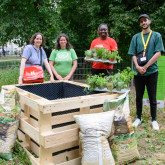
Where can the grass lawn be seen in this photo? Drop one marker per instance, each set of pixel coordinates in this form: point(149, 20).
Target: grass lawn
point(151, 144)
point(10, 57)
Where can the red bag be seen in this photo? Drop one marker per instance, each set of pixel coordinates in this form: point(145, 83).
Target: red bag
point(33, 74)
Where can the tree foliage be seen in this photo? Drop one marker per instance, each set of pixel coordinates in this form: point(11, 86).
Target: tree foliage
point(79, 19)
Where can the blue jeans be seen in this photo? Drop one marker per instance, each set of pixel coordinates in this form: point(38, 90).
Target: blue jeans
point(151, 83)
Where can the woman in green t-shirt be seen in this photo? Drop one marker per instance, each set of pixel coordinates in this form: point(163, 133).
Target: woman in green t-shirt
point(63, 59)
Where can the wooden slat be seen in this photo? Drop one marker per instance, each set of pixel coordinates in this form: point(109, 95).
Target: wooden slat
point(51, 139)
point(29, 129)
point(96, 110)
point(8, 87)
point(63, 157)
point(63, 118)
point(72, 162)
point(64, 128)
point(73, 103)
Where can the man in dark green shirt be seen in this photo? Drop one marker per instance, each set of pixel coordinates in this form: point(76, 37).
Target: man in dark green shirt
point(147, 75)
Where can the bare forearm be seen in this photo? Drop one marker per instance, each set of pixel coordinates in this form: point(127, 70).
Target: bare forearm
point(51, 63)
point(153, 59)
point(73, 68)
point(22, 67)
point(48, 67)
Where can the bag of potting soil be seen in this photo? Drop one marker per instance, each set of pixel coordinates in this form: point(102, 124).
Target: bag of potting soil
point(94, 131)
point(122, 121)
point(124, 148)
point(9, 121)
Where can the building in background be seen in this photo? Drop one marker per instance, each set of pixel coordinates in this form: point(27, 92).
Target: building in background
point(11, 49)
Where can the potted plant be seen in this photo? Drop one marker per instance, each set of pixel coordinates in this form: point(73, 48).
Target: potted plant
point(110, 83)
point(111, 56)
point(101, 82)
point(114, 55)
point(122, 79)
point(91, 81)
point(105, 55)
point(88, 54)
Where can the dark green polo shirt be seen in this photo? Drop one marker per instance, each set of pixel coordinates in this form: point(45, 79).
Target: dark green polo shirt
point(155, 45)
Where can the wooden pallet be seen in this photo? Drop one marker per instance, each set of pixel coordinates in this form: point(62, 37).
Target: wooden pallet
point(47, 128)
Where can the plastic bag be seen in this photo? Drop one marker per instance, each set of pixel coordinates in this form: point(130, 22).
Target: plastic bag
point(9, 121)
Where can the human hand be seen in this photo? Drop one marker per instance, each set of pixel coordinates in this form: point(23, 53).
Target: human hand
point(67, 77)
point(141, 70)
point(59, 77)
point(52, 79)
point(145, 67)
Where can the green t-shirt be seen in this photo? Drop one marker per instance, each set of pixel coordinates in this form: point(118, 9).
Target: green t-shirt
point(63, 60)
point(155, 45)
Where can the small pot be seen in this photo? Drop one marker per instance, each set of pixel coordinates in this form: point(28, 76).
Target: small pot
point(111, 59)
point(88, 57)
point(110, 86)
point(103, 59)
point(95, 57)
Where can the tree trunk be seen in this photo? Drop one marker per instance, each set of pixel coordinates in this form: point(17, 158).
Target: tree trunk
point(3, 51)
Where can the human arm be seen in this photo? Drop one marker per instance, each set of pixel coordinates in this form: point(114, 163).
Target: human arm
point(152, 60)
point(72, 70)
point(51, 63)
point(22, 67)
point(49, 70)
point(140, 69)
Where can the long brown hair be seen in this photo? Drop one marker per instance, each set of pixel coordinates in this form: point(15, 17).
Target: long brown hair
point(68, 45)
point(34, 37)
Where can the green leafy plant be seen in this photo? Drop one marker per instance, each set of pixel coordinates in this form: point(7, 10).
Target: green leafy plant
point(105, 55)
point(100, 52)
point(88, 53)
point(114, 55)
point(123, 78)
point(101, 82)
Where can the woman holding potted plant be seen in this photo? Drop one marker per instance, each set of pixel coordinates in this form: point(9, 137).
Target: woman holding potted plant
point(104, 41)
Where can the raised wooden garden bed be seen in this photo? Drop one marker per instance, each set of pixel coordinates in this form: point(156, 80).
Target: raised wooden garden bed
point(47, 127)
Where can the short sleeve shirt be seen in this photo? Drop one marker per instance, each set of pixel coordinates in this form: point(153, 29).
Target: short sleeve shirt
point(63, 60)
point(110, 44)
point(33, 56)
point(155, 45)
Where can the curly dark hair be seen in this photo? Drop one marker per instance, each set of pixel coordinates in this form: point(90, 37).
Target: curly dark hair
point(34, 37)
point(100, 27)
point(68, 45)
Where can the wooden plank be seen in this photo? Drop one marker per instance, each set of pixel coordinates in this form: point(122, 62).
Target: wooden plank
point(45, 156)
point(68, 155)
point(63, 118)
point(51, 139)
point(8, 87)
point(65, 146)
point(67, 127)
point(96, 110)
point(76, 161)
point(77, 83)
point(84, 110)
point(29, 129)
point(73, 103)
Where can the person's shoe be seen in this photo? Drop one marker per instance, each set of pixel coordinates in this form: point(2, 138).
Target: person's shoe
point(155, 125)
point(136, 122)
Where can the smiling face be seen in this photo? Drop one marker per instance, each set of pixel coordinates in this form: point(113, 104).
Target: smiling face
point(103, 32)
point(38, 41)
point(145, 23)
point(63, 42)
